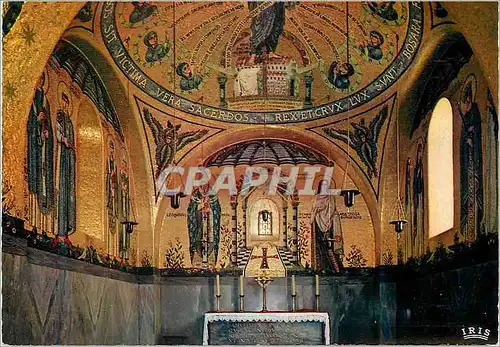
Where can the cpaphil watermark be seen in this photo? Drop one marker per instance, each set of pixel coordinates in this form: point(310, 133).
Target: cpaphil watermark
point(198, 176)
point(475, 333)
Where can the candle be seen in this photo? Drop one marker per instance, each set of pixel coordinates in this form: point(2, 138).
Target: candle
point(241, 286)
point(217, 282)
point(293, 285)
point(317, 285)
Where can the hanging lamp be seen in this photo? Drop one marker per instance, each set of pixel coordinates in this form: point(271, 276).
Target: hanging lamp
point(175, 198)
point(399, 221)
point(348, 194)
point(129, 224)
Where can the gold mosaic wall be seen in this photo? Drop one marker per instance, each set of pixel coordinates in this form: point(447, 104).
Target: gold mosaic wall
point(41, 25)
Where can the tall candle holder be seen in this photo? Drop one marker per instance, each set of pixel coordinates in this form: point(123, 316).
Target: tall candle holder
point(294, 294)
point(218, 302)
point(242, 293)
point(242, 301)
point(217, 292)
point(317, 292)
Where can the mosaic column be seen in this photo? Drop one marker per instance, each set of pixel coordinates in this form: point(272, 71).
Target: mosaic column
point(285, 229)
point(222, 79)
point(308, 82)
point(244, 236)
point(295, 229)
point(234, 239)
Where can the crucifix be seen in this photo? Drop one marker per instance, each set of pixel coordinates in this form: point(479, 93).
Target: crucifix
point(264, 280)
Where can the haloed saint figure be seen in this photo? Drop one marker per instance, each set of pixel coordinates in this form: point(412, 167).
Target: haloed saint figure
point(471, 167)
point(266, 27)
point(40, 152)
point(418, 203)
point(124, 197)
point(325, 220)
point(203, 217)
point(112, 187)
point(67, 169)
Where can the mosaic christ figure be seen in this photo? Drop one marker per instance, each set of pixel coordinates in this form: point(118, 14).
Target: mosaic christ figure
point(266, 28)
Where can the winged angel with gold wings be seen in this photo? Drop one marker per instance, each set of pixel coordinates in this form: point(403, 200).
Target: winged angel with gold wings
point(169, 140)
point(363, 139)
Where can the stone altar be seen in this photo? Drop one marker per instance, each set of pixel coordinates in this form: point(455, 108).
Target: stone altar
point(266, 328)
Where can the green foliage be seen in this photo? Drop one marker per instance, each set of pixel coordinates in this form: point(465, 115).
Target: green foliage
point(174, 256)
point(146, 260)
point(387, 258)
point(225, 246)
point(355, 257)
point(303, 240)
point(440, 253)
point(7, 204)
point(400, 256)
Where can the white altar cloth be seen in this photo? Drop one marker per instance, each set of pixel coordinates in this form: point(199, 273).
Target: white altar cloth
point(321, 317)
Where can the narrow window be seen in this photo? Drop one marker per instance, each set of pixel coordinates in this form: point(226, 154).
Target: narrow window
point(440, 168)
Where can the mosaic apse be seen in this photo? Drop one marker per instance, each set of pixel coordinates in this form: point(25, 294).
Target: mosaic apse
point(263, 62)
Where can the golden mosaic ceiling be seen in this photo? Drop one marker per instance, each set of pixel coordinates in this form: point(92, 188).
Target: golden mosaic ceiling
point(262, 62)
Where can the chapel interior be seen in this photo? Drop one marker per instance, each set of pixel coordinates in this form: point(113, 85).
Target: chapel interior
point(109, 107)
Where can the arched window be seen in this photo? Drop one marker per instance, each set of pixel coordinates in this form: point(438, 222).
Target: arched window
point(265, 223)
point(440, 168)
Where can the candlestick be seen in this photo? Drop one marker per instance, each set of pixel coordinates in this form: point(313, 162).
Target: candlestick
point(241, 286)
point(217, 285)
point(293, 285)
point(317, 285)
point(242, 303)
point(218, 302)
point(264, 299)
point(317, 302)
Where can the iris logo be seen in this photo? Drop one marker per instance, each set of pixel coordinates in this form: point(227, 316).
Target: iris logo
point(475, 333)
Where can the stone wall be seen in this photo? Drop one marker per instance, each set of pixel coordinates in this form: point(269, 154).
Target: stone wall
point(49, 299)
point(434, 308)
point(358, 307)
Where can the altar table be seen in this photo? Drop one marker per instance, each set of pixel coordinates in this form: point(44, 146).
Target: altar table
point(266, 328)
